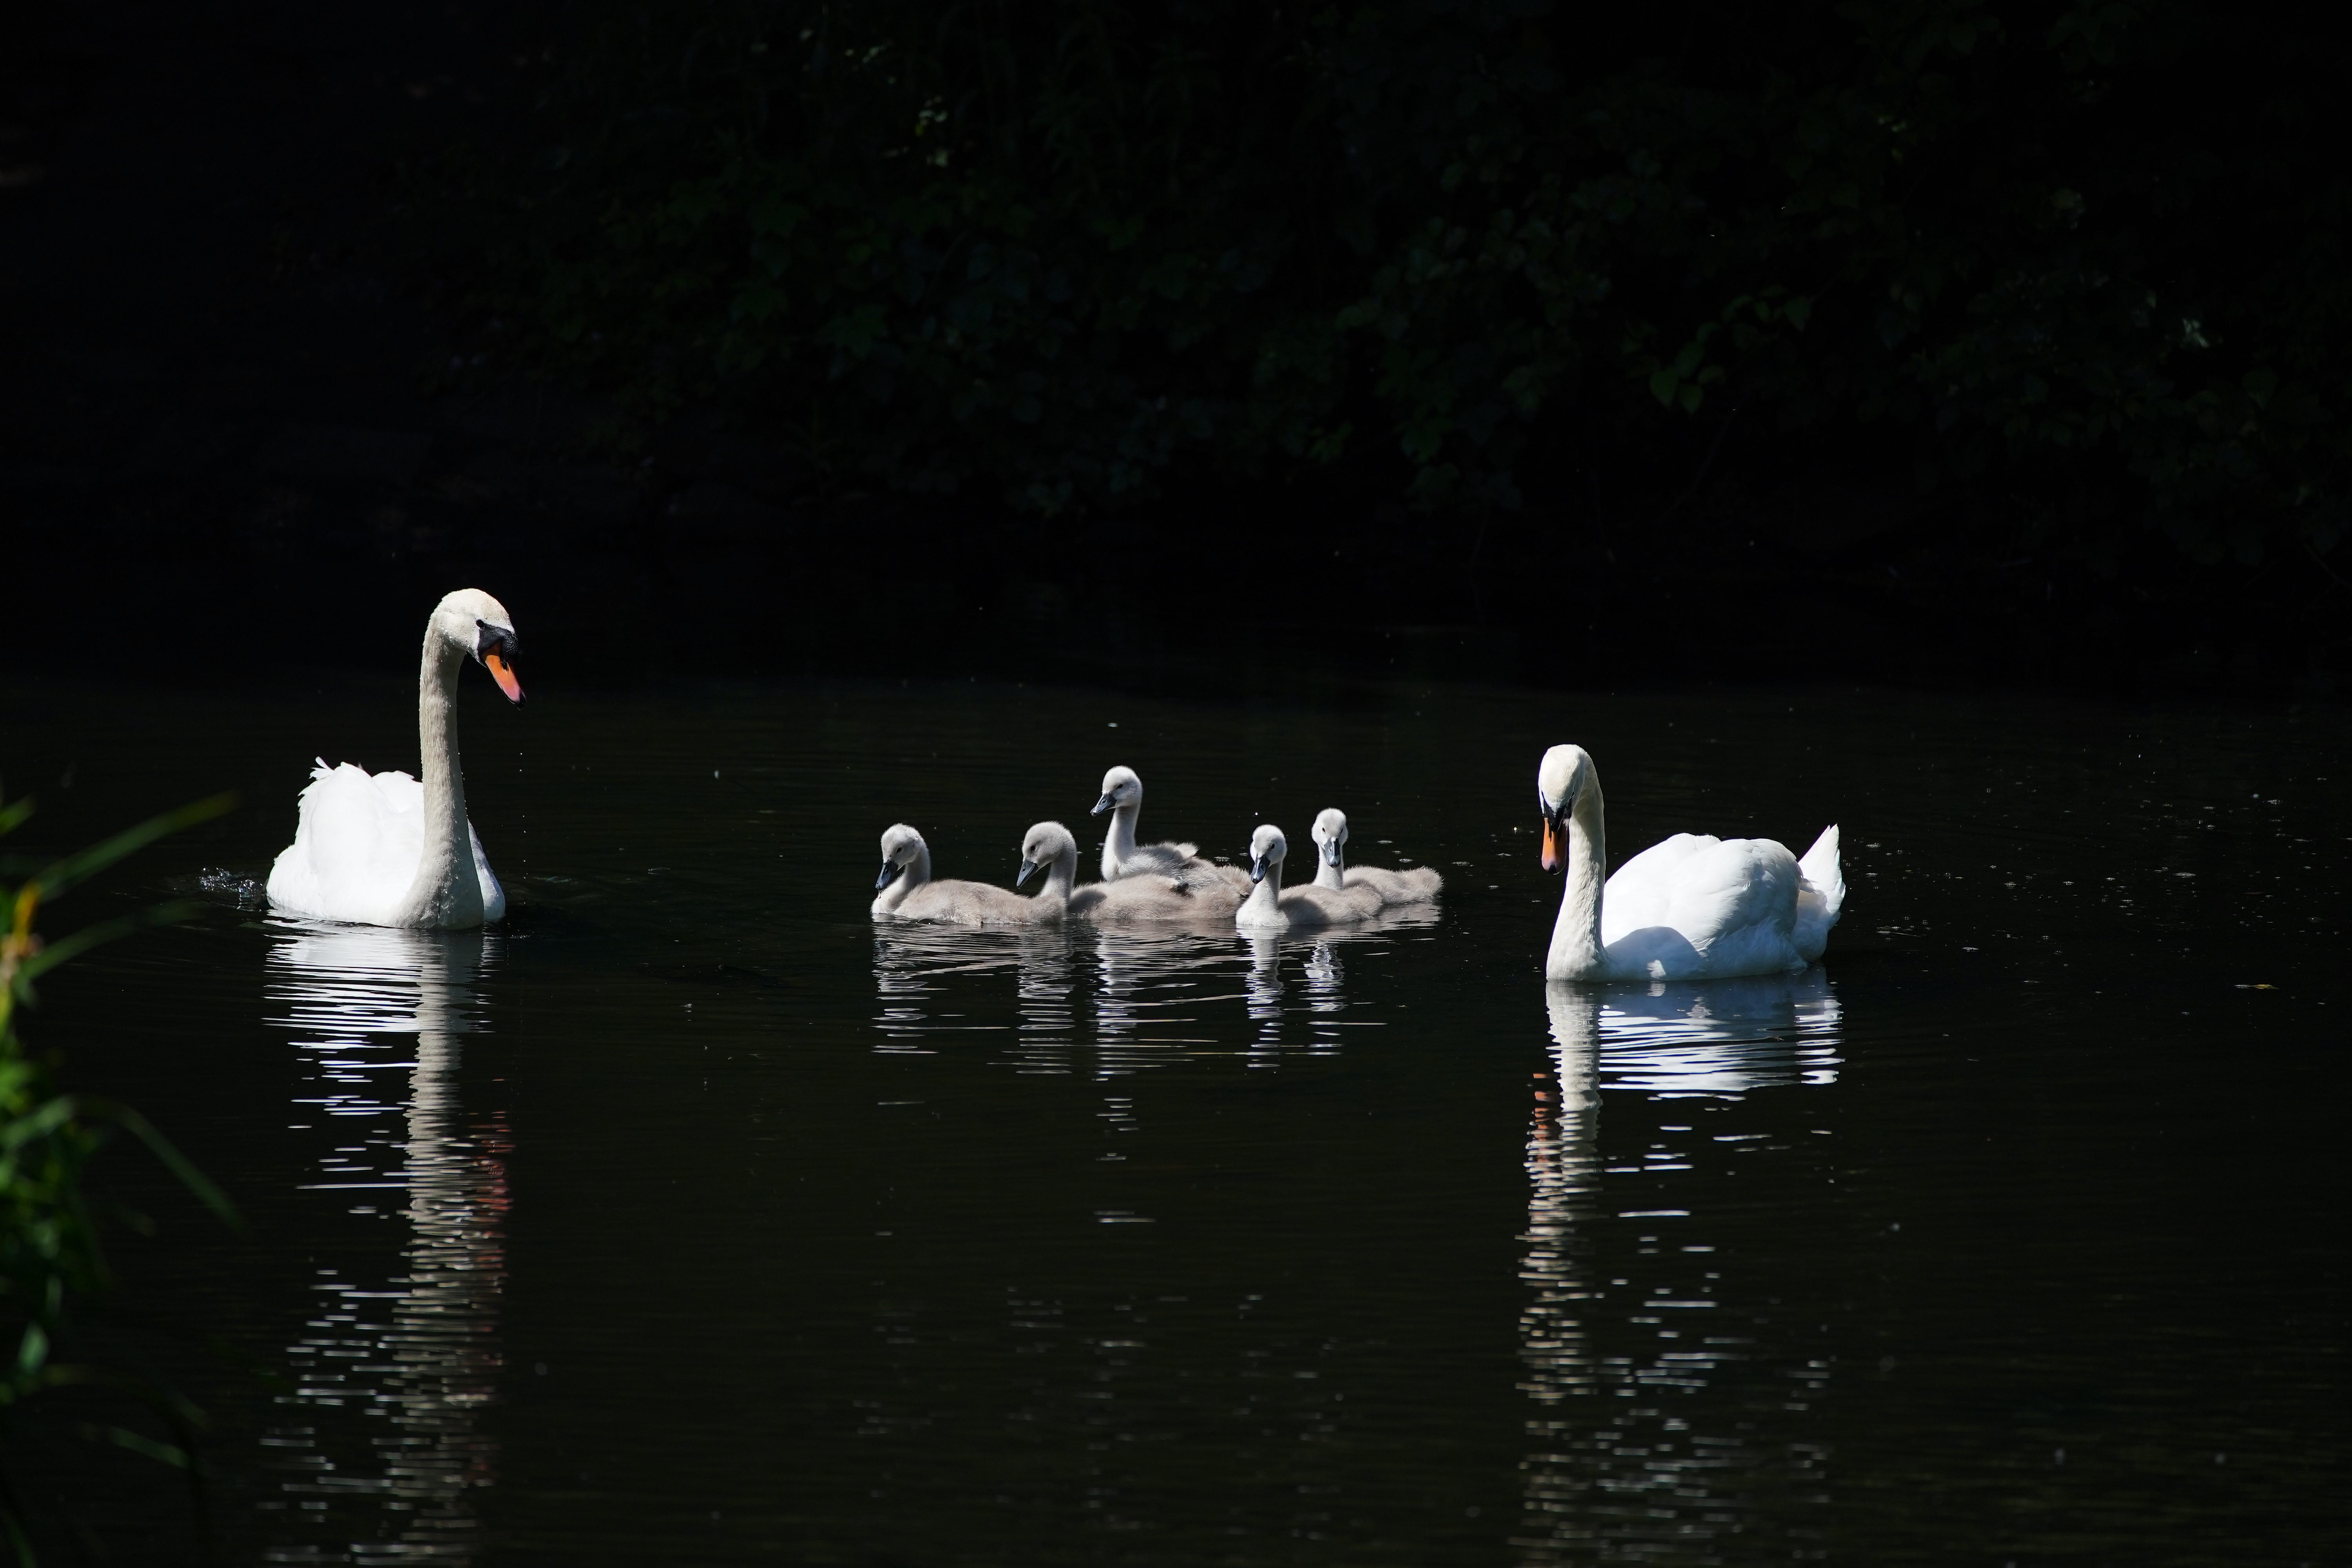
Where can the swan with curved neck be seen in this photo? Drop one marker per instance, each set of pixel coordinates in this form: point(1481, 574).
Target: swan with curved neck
point(906, 891)
point(1413, 885)
point(1269, 908)
point(1690, 907)
point(388, 849)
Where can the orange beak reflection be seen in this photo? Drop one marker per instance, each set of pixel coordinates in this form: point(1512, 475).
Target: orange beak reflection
point(1551, 847)
point(503, 673)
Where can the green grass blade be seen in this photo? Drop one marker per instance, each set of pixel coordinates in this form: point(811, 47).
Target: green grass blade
point(68, 947)
point(82, 864)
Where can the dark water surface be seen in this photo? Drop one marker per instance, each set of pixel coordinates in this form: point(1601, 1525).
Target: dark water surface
point(687, 1219)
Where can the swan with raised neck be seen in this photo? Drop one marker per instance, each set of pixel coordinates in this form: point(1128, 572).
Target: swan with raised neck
point(468, 623)
point(392, 850)
point(1691, 906)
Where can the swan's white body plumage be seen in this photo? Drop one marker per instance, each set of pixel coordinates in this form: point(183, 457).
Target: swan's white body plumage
point(391, 849)
point(358, 841)
point(1412, 885)
point(1694, 906)
point(1690, 907)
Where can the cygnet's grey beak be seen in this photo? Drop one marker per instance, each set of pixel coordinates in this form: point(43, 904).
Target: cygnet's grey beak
point(889, 871)
point(1331, 852)
point(1257, 869)
point(1105, 804)
point(1022, 876)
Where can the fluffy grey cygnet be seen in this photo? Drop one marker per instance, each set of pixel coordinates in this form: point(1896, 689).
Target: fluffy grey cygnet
point(1122, 796)
point(907, 892)
point(1415, 884)
point(1269, 908)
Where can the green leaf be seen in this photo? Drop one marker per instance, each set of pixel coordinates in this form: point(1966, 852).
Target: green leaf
point(84, 863)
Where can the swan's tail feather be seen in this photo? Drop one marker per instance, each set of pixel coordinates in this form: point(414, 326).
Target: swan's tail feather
point(1821, 868)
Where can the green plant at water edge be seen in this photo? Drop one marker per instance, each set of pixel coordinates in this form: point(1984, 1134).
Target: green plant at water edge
point(50, 1255)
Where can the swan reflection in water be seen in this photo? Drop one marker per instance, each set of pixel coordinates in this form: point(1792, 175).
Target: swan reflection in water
point(380, 1433)
point(1617, 1465)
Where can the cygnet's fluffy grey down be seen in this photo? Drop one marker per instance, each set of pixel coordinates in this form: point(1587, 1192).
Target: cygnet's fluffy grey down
point(1413, 885)
point(1122, 796)
point(907, 891)
point(1269, 908)
point(1157, 898)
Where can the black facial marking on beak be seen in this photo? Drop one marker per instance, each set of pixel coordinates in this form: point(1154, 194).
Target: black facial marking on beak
point(1257, 869)
point(1022, 876)
point(493, 640)
point(889, 871)
point(1105, 804)
point(1331, 852)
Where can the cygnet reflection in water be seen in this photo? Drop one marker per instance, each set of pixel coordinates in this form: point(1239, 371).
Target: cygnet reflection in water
point(1323, 996)
point(918, 968)
point(391, 1377)
point(1155, 990)
point(1719, 1037)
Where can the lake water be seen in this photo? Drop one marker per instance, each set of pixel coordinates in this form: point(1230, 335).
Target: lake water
point(687, 1218)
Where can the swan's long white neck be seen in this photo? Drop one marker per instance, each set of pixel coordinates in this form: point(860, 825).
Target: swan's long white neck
point(1328, 874)
point(1118, 844)
point(447, 893)
point(1575, 951)
point(1265, 900)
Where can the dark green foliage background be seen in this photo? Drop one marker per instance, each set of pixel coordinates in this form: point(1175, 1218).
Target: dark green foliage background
point(2080, 264)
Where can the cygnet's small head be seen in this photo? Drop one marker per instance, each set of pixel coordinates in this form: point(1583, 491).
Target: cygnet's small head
point(479, 627)
point(1330, 833)
point(900, 846)
point(1120, 788)
point(1268, 849)
point(1048, 842)
point(1566, 775)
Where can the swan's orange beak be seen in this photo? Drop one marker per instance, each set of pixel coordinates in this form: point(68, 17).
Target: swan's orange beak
point(1552, 853)
point(503, 673)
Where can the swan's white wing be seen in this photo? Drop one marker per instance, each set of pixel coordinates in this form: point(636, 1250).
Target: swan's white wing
point(1730, 907)
point(1742, 887)
point(1641, 893)
point(356, 846)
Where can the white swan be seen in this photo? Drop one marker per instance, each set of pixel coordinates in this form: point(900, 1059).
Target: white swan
point(1269, 908)
point(1415, 884)
point(1690, 907)
point(907, 892)
point(387, 850)
point(1122, 796)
